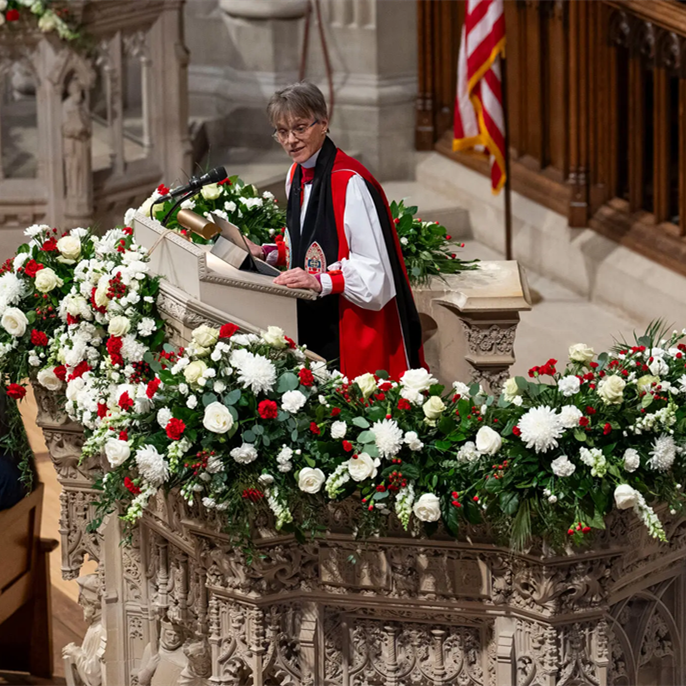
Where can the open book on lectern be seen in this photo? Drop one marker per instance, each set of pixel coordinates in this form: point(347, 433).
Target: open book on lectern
point(232, 247)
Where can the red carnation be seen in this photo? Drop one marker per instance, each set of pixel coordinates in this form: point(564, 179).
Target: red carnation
point(102, 410)
point(314, 428)
point(38, 337)
point(590, 410)
point(49, 245)
point(268, 409)
point(347, 446)
point(14, 390)
point(404, 404)
point(516, 431)
point(114, 346)
point(291, 342)
point(306, 377)
point(123, 435)
point(12, 15)
point(162, 189)
point(607, 428)
point(60, 372)
point(80, 369)
point(128, 231)
point(175, 427)
point(227, 330)
point(335, 411)
point(125, 401)
point(31, 268)
point(385, 386)
point(584, 421)
point(130, 486)
point(71, 320)
point(152, 387)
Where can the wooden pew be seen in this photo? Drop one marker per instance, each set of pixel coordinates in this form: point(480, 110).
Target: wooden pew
point(25, 615)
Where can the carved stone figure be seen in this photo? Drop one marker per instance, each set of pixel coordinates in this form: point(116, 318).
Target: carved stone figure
point(84, 663)
point(164, 660)
point(76, 141)
point(199, 666)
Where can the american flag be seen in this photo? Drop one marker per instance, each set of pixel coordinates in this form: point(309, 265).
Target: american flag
point(479, 115)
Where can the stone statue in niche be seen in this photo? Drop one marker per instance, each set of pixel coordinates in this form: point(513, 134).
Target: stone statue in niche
point(199, 667)
point(166, 659)
point(76, 142)
point(84, 663)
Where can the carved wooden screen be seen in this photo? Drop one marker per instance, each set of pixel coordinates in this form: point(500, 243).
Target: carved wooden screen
point(596, 111)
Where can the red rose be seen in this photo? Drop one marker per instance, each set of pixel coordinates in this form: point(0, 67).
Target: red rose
point(335, 411)
point(49, 245)
point(38, 337)
point(347, 446)
point(404, 404)
point(268, 409)
point(31, 268)
point(152, 387)
point(314, 428)
point(125, 401)
point(130, 486)
point(102, 410)
point(227, 330)
point(14, 390)
point(12, 15)
point(306, 377)
point(60, 372)
point(590, 410)
point(584, 421)
point(175, 427)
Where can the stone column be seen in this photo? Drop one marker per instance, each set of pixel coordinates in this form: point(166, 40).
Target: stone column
point(238, 64)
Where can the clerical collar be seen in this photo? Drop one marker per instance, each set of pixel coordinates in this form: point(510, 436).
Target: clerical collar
point(312, 161)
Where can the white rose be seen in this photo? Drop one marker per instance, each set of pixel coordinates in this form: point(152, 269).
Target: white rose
point(211, 192)
point(427, 508)
point(611, 389)
point(76, 305)
point(311, 480)
point(511, 390)
point(205, 336)
point(363, 467)
point(3, 5)
point(625, 496)
point(14, 321)
point(292, 401)
point(569, 386)
point(46, 280)
point(217, 418)
point(433, 407)
point(338, 430)
point(117, 451)
point(580, 352)
point(100, 295)
point(69, 247)
point(488, 441)
point(194, 371)
point(417, 380)
point(48, 379)
point(645, 382)
point(118, 326)
point(367, 384)
point(275, 336)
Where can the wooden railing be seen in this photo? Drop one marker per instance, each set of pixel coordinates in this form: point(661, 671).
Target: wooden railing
point(596, 111)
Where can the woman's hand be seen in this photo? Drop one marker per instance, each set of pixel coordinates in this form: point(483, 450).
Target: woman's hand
point(298, 278)
point(255, 250)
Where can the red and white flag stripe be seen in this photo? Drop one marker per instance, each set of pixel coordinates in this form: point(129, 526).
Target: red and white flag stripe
point(479, 115)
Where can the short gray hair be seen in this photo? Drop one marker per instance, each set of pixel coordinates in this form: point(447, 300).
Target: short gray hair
point(301, 99)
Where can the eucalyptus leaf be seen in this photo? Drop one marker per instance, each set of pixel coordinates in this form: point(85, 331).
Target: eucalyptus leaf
point(232, 397)
point(366, 437)
point(361, 422)
point(249, 436)
point(208, 399)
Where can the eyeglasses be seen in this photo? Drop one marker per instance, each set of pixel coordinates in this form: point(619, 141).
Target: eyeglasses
point(282, 135)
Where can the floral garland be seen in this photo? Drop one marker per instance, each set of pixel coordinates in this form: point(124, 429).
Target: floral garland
point(242, 423)
point(426, 246)
point(12, 12)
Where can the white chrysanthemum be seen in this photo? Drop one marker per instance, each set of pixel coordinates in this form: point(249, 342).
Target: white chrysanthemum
point(152, 465)
point(468, 452)
point(256, 373)
point(388, 437)
point(245, 454)
point(540, 428)
point(663, 453)
point(569, 416)
point(562, 466)
point(569, 385)
point(11, 289)
point(163, 416)
point(632, 460)
point(292, 401)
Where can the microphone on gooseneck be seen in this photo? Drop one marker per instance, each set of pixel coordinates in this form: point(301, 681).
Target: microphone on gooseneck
point(195, 183)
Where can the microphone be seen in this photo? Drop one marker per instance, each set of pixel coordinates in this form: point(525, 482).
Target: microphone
point(195, 183)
